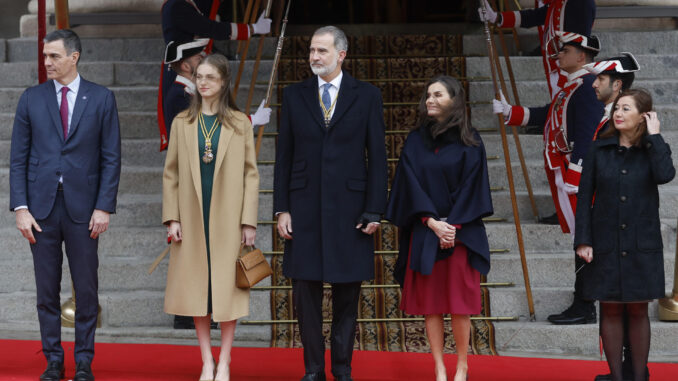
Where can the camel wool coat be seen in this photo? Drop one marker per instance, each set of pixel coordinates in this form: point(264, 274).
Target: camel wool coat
point(235, 196)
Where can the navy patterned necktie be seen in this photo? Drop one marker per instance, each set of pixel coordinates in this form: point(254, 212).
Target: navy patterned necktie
point(327, 100)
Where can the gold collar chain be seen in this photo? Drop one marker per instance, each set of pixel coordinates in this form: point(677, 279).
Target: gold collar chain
point(327, 113)
point(208, 156)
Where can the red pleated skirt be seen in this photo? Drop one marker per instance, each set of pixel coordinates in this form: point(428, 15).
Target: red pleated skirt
point(453, 287)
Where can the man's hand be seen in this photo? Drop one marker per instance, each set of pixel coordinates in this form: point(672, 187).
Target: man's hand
point(585, 252)
point(285, 225)
point(26, 223)
point(98, 223)
point(249, 234)
point(262, 26)
point(486, 13)
point(262, 116)
point(502, 106)
point(368, 229)
point(174, 231)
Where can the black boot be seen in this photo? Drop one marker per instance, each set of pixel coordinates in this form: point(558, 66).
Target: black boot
point(580, 312)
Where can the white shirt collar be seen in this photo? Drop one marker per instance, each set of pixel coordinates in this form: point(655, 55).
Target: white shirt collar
point(572, 76)
point(189, 85)
point(336, 82)
point(74, 86)
point(608, 109)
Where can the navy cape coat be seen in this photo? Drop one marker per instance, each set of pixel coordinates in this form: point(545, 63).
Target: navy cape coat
point(450, 182)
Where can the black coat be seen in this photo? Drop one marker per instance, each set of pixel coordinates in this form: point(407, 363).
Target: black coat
point(323, 179)
point(622, 223)
point(440, 178)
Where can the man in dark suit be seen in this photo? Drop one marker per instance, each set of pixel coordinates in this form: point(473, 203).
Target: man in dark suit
point(330, 185)
point(64, 174)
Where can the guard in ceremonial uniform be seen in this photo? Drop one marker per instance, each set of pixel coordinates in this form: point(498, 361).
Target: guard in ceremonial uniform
point(614, 75)
point(570, 122)
point(186, 20)
point(551, 17)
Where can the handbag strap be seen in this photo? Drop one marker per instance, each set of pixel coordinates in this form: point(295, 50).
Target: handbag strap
point(242, 246)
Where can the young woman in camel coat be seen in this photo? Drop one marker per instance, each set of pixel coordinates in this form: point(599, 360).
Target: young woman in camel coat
point(210, 207)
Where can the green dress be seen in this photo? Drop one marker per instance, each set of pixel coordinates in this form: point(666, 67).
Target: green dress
point(206, 181)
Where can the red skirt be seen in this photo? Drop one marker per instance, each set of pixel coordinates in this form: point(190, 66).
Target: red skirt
point(453, 287)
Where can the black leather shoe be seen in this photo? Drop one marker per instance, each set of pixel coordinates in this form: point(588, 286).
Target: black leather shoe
point(549, 220)
point(83, 372)
point(320, 376)
point(608, 377)
point(580, 312)
point(343, 377)
point(54, 371)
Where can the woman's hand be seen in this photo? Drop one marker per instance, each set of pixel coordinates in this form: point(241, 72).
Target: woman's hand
point(249, 233)
point(652, 122)
point(445, 232)
point(174, 231)
point(585, 252)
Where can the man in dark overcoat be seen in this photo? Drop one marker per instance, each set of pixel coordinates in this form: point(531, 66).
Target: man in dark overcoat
point(330, 191)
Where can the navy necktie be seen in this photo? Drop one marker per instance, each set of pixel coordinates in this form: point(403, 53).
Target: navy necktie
point(327, 100)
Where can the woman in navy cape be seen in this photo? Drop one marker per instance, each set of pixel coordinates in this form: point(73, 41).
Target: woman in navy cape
point(439, 195)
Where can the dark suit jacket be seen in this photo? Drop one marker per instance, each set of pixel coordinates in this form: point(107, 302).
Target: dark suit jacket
point(323, 179)
point(88, 160)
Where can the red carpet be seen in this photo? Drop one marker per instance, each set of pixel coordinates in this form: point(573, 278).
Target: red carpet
point(23, 360)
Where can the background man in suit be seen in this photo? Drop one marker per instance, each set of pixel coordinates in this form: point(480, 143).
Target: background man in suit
point(332, 196)
point(64, 174)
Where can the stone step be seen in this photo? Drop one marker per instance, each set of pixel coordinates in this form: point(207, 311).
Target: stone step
point(483, 118)
point(245, 335)
point(145, 242)
point(146, 180)
point(552, 269)
point(511, 301)
point(128, 98)
point(652, 66)
point(21, 74)
point(535, 93)
point(612, 42)
point(126, 49)
point(133, 125)
point(545, 339)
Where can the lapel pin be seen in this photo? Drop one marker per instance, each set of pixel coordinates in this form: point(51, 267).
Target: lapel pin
point(84, 97)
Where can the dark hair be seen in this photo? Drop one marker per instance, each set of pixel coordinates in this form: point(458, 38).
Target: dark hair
point(625, 78)
point(588, 53)
point(70, 39)
point(226, 103)
point(458, 114)
point(643, 101)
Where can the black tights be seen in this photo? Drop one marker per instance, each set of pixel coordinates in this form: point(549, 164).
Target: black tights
point(612, 331)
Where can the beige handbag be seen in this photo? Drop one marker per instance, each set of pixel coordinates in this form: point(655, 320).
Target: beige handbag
point(251, 267)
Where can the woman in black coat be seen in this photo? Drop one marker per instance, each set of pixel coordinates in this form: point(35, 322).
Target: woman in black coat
point(617, 226)
point(439, 195)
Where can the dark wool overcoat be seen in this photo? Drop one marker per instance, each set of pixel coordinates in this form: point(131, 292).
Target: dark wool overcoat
point(327, 178)
point(621, 222)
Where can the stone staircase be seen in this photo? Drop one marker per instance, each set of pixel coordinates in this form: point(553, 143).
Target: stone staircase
point(132, 300)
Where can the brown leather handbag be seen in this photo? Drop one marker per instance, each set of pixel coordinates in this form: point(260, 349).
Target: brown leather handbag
point(251, 267)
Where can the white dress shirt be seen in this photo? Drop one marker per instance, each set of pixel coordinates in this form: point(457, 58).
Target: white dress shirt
point(334, 90)
point(71, 96)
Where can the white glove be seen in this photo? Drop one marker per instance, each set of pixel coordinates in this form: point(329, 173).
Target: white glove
point(570, 189)
point(262, 26)
point(262, 116)
point(501, 107)
point(490, 15)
